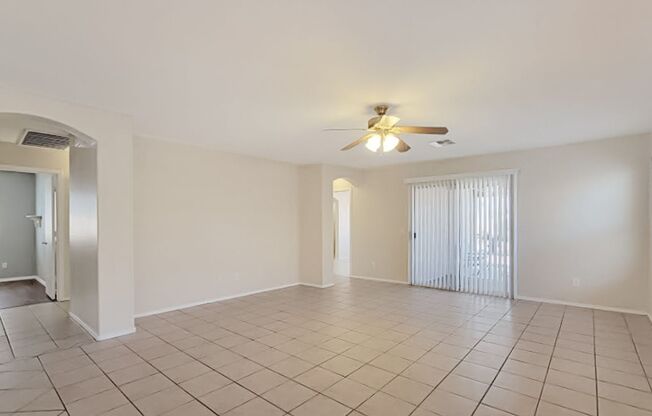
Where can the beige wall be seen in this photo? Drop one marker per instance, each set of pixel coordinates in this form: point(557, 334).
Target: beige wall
point(582, 213)
point(210, 225)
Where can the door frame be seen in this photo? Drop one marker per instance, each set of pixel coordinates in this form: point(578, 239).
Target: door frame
point(514, 226)
point(57, 176)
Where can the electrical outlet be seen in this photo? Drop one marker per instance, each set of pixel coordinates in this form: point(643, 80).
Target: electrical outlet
point(4, 265)
point(576, 282)
point(373, 265)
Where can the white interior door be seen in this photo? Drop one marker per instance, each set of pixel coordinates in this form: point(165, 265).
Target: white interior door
point(46, 232)
point(463, 234)
point(342, 232)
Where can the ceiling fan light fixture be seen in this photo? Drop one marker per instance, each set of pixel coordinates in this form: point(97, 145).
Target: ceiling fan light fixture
point(373, 143)
point(390, 142)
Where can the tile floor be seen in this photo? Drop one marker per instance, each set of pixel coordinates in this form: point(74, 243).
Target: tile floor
point(358, 348)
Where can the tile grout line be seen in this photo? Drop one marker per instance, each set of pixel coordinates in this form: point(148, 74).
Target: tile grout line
point(640, 360)
point(552, 355)
point(256, 395)
point(4, 329)
point(65, 408)
point(463, 357)
point(505, 360)
point(109, 378)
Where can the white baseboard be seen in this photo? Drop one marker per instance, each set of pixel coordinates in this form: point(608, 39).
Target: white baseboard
point(97, 336)
point(582, 305)
point(205, 301)
point(116, 334)
point(84, 325)
point(378, 279)
point(41, 281)
point(19, 278)
point(317, 286)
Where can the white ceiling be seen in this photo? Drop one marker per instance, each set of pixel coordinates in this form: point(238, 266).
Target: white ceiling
point(265, 77)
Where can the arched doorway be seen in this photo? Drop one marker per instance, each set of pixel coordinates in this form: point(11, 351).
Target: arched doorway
point(64, 163)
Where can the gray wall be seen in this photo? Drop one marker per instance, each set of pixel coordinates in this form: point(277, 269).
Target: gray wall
point(17, 242)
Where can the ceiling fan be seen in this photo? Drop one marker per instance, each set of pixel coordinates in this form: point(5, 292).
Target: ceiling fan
point(383, 133)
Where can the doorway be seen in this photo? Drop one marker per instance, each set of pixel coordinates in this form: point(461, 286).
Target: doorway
point(463, 233)
point(28, 242)
point(342, 227)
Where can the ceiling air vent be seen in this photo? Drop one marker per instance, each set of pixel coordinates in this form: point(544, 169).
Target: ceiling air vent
point(52, 141)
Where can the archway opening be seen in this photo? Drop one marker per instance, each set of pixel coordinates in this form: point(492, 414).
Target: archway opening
point(63, 220)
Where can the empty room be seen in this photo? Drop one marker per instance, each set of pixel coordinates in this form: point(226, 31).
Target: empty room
point(342, 208)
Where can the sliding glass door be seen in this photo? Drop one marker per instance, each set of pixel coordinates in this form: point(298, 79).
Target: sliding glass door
point(462, 233)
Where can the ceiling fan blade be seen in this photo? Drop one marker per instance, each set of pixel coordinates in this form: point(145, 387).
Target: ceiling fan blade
point(357, 142)
point(383, 122)
point(402, 146)
point(421, 130)
point(344, 130)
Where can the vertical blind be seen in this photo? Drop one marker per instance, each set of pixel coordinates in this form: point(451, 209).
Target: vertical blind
point(462, 234)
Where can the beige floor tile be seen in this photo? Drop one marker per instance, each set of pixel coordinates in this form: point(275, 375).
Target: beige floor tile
point(262, 381)
point(625, 379)
point(532, 371)
point(349, 392)
point(484, 410)
point(321, 406)
point(205, 383)
point(187, 371)
point(372, 376)
point(392, 363)
point(133, 373)
point(97, 404)
point(549, 409)
point(289, 395)
point(476, 372)
point(85, 389)
point(342, 365)
point(291, 367)
point(610, 408)
point(625, 395)
point(318, 379)
point(226, 398)
point(142, 388)
point(465, 387)
point(407, 390)
point(510, 401)
point(519, 384)
point(381, 404)
point(163, 401)
point(193, 408)
point(571, 381)
point(424, 374)
point(256, 407)
point(444, 403)
point(318, 355)
point(570, 399)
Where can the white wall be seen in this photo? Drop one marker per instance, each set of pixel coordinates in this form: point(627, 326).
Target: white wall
point(17, 246)
point(210, 224)
point(582, 213)
point(84, 233)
